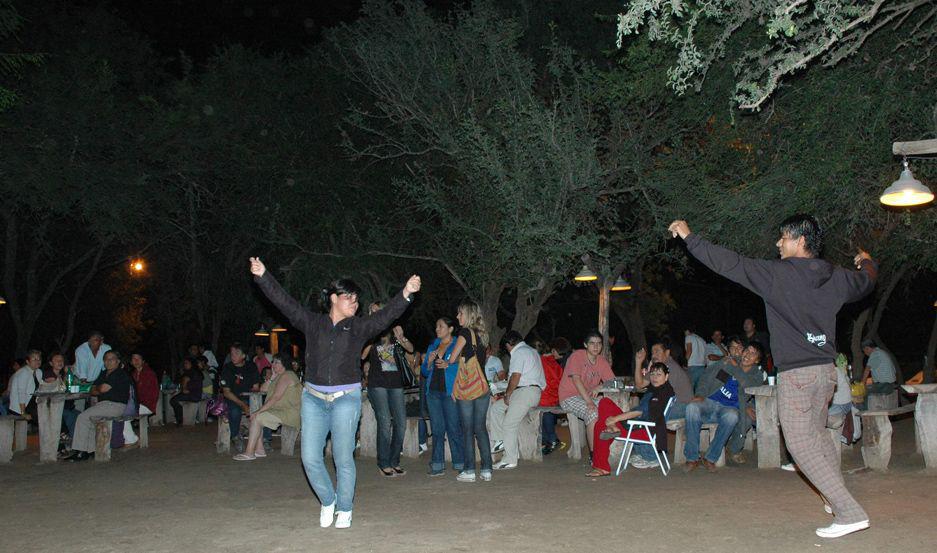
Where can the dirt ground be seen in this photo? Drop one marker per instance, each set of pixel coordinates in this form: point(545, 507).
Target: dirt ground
point(179, 495)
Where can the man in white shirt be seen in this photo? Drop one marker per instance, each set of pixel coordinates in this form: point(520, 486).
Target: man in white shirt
point(89, 357)
point(23, 384)
point(695, 348)
point(526, 381)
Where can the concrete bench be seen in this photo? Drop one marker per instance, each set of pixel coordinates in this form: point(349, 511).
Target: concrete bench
point(194, 412)
point(876, 435)
point(883, 402)
point(288, 435)
point(707, 431)
point(12, 436)
point(102, 434)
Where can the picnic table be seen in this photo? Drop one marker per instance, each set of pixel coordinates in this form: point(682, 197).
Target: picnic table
point(925, 420)
point(767, 425)
point(50, 405)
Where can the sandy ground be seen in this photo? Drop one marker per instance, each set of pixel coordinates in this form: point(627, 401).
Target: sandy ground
point(179, 495)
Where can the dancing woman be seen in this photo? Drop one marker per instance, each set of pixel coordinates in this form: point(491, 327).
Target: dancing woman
point(331, 400)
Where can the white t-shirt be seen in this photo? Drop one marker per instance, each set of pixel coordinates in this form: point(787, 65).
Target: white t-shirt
point(22, 386)
point(713, 349)
point(492, 367)
point(698, 356)
point(843, 393)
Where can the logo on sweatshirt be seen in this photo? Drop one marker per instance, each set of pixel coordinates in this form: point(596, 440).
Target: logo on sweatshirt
point(818, 340)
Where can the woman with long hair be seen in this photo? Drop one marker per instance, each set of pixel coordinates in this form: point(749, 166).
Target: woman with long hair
point(472, 340)
point(331, 398)
point(439, 370)
point(385, 392)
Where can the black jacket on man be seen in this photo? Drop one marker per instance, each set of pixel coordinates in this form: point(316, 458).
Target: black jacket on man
point(802, 297)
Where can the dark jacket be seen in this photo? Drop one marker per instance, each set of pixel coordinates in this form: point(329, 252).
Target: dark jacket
point(802, 297)
point(333, 352)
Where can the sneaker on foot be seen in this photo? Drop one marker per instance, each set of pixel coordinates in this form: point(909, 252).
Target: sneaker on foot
point(789, 467)
point(433, 472)
point(466, 476)
point(505, 466)
point(326, 515)
point(485, 475)
point(546, 450)
point(710, 466)
point(343, 519)
point(422, 450)
point(498, 447)
point(839, 530)
point(558, 445)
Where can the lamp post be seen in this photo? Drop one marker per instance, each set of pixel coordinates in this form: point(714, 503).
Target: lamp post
point(606, 286)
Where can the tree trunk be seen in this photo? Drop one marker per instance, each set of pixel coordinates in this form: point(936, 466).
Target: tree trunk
point(855, 342)
point(882, 303)
point(65, 342)
point(931, 351)
point(527, 307)
point(488, 303)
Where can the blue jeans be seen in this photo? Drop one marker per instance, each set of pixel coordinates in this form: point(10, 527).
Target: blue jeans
point(234, 418)
point(69, 416)
point(474, 417)
point(424, 432)
point(677, 411)
point(444, 416)
point(340, 417)
point(391, 415)
point(548, 429)
point(696, 371)
point(706, 412)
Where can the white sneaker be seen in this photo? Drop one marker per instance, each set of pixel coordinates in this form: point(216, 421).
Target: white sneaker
point(505, 466)
point(789, 467)
point(498, 447)
point(422, 450)
point(838, 530)
point(343, 520)
point(466, 476)
point(485, 475)
point(639, 462)
point(326, 515)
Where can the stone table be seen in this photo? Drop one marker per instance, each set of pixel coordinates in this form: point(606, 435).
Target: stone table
point(49, 406)
point(925, 420)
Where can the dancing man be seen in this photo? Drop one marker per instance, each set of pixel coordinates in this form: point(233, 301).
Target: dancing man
point(802, 295)
point(331, 400)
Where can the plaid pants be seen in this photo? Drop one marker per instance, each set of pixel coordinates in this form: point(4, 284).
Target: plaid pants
point(803, 397)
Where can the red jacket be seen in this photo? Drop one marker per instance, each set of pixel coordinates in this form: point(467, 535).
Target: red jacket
point(147, 388)
point(553, 373)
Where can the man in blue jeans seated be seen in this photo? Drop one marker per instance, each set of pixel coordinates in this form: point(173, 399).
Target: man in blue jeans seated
point(237, 378)
point(720, 396)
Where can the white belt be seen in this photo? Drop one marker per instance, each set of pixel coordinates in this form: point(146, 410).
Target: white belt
point(325, 397)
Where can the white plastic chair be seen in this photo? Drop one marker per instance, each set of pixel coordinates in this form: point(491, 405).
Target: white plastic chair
point(641, 432)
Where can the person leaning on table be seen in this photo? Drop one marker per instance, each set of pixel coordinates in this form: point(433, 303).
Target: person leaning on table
point(112, 388)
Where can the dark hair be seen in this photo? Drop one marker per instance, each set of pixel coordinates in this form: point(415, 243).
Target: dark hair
point(261, 346)
point(658, 365)
point(96, 334)
point(540, 346)
point(664, 342)
point(869, 343)
point(284, 358)
point(33, 351)
point(808, 227)
point(338, 286)
point(114, 352)
point(447, 320)
point(734, 339)
point(55, 352)
point(239, 347)
point(561, 345)
point(202, 359)
point(592, 333)
point(512, 338)
point(757, 347)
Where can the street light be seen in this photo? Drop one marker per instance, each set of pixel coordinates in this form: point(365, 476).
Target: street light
point(620, 285)
point(137, 266)
point(3, 301)
point(278, 328)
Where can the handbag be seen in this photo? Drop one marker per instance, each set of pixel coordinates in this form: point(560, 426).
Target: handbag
point(470, 381)
point(217, 406)
point(406, 373)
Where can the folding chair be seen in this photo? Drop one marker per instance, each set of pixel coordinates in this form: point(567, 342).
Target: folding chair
point(640, 432)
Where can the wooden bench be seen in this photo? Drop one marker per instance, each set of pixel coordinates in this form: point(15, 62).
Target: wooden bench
point(876, 435)
point(12, 436)
point(288, 436)
point(102, 434)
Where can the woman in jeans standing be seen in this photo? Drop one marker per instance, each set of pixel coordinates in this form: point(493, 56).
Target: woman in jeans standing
point(439, 370)
point(331, 399)
point(385, 392)
point(472, 339)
